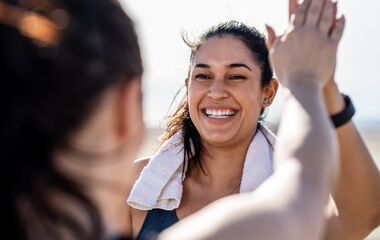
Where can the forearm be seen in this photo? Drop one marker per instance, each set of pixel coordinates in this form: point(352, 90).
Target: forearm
point(359, 177)
point(306, 124)
point(357, 196)
point(305, 115)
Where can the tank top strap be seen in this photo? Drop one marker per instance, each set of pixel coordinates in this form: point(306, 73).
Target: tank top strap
point(155, 222)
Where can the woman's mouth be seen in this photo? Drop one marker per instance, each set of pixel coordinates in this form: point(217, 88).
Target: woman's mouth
point(219, 113)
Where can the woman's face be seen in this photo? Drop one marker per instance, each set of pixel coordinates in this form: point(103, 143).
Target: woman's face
point(224, 92)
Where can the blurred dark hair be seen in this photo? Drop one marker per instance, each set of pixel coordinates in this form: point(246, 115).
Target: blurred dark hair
point(49, 85)
point(180, 120)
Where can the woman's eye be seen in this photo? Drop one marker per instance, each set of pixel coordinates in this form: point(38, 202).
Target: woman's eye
point(236, 77)
point(202, 76)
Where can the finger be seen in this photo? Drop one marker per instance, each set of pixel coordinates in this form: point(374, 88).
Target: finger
point(335, 10)
point(337, 32)
point(276, 42)
point(271, 36)
point(300, 14)
point(327, 19)
point(313, 13)
point(293, 4)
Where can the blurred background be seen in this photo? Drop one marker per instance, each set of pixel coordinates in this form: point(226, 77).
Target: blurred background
point(160, 24)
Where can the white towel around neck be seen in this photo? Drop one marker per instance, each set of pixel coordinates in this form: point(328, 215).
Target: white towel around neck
point(160, 182)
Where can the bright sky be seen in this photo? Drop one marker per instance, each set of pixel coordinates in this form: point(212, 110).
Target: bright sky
point(160, 23)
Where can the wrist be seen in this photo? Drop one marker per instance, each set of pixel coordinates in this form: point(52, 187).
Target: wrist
point(333, 99)
point(344, 116)
point(303, 94)
point(303, 82)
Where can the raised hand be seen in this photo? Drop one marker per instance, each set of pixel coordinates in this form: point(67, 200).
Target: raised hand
point(293, 4)
point(333, 99)
point(308, 48)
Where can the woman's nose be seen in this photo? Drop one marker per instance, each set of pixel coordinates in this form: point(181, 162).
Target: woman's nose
point(217, 90)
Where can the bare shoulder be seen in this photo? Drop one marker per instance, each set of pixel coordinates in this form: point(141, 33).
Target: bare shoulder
point(138, 165)
point(134, 170)
point(138, 216)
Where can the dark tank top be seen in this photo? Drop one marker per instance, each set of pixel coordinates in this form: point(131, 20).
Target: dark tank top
point(156, 221)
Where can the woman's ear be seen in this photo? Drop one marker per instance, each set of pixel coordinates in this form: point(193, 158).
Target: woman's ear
point(269, 92)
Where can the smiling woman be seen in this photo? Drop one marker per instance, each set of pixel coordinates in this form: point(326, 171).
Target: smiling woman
point(225, 93)
point(229, 84)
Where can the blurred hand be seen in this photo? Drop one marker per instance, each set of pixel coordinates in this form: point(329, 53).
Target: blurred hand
point(308, 48)
point(293, 4)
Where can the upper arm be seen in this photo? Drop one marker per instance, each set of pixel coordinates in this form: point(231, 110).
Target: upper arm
point(137, 167)
point(135, 171)
point(357, 195)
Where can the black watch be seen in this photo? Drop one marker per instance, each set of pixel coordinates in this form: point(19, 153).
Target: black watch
point(341, 118)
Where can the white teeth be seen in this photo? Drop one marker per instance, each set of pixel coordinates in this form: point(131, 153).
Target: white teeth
point(220, 114)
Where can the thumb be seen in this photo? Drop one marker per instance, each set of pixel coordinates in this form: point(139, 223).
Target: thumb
point(271, 36)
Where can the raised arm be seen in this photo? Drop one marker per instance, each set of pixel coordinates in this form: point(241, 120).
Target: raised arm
point(357, 196)
point(306, 153)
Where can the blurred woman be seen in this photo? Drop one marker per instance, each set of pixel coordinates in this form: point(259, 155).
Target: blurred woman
point(71, 118)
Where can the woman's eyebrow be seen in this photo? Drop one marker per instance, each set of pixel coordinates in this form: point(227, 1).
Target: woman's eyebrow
point(232, 65)
point(202, 65)
point(236, 65)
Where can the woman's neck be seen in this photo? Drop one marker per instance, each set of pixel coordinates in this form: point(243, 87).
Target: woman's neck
point(223, 165)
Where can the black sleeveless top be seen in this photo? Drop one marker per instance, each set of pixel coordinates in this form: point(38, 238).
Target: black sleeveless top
point(155, 222)
point(122, 237)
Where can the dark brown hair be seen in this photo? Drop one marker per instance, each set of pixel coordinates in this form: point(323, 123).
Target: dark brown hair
point(48, 88)
point(180, 120)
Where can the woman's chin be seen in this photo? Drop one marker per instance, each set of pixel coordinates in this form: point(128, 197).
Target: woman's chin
point(219, 138)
